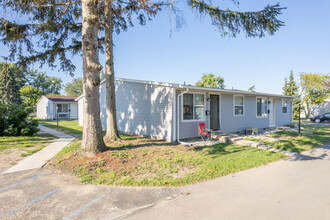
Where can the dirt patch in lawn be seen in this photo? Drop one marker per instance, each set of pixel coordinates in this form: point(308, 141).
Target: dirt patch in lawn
point(139, 161)
point(14, 149)
point(138, 158)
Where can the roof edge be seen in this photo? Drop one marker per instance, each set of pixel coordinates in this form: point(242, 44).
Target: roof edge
point(80, 97)
point(175, 85)
point(236, 91)
point(40, 99)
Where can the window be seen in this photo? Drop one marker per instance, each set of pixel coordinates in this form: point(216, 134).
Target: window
point(193, 107)
point(238, 105)
point(284, 106)
point(261, 107)
point(63, 108)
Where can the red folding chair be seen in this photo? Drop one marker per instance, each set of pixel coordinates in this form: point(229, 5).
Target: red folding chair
point(204, 132)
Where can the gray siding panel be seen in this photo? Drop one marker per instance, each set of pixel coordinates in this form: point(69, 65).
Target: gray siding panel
point(282, 118)
point(142, 109)
point(231, 123)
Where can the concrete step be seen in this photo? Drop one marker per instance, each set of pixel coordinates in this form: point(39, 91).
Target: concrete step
point(248, 143)
point(264, 147)
point(231, 140)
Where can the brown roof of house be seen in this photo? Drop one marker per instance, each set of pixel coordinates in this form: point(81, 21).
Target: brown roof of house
point(61, 98)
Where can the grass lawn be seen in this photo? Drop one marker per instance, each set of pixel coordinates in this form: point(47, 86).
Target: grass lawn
point(143, 162)
point(13, 148)
point(317, 129)
point(291, 141)
point(69, 126)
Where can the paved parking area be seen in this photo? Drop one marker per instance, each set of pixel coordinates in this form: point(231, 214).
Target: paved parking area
point(297, 188)
point(40, 194)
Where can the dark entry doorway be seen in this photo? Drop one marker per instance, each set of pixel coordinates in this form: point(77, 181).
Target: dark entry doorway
point(214, 112)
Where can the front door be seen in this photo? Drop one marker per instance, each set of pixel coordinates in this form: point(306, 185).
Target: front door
point(271, 114)
point(214, 112)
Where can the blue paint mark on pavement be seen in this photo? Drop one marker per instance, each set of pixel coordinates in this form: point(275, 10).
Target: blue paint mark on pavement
point(16, 184)
point(32, 201)
point(85, 206)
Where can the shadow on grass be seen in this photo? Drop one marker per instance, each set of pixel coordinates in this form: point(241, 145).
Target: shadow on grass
point(221, 149)
point(301, 157)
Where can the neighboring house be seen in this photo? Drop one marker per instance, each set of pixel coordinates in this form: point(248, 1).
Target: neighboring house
point(174, 111)
point(65, 107)
point(322, 108)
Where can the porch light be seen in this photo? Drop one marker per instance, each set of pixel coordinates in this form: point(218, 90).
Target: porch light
point(208, 99)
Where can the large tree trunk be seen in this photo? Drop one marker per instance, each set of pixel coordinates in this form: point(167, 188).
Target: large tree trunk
point(92, 141)
point(112, 131)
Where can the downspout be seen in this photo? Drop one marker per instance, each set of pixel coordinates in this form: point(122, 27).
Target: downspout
point(178, 115)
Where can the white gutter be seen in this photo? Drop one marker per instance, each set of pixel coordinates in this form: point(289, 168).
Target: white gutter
point(227, 91)
point(178, 115)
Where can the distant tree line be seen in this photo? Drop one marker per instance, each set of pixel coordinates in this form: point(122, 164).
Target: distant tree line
point(312, 90)
point(19, 86)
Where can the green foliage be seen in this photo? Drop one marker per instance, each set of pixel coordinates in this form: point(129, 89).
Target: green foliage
point(61, 22)
point(209, 80)
point(14, 120)
point(30, 95)
point(252, 89)
point(314, 90)
point(292, 89)
point(230, 23)
point(12, 79)
point(75, 88)
point(47, 84)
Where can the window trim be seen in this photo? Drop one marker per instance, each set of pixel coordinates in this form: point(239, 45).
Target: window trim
point(287, 105)
point(181, 107)
point(238, 105)
point(62, 108)
point(263, 115)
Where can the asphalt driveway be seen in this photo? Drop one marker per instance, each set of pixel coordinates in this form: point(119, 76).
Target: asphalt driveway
point(40, 194)
point(295, 188)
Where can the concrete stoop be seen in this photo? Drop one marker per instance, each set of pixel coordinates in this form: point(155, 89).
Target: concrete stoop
point(226, 137)
point(248, 143)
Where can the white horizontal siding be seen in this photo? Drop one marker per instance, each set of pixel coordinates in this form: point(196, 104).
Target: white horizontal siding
point(142, 109)
point(44, 108)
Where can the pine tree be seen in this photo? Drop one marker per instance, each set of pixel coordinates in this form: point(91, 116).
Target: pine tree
point(292, 89)
point(12, 79)
point(56, 27)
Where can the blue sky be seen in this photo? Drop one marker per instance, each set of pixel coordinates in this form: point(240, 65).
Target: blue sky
point(150, 52)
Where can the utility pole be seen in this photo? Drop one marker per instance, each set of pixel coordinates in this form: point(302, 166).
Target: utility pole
point(299, 121)
point(57, 114)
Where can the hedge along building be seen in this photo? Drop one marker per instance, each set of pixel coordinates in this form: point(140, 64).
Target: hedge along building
point(173, 111)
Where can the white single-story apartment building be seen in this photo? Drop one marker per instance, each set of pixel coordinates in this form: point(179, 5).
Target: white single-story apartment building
point(63, 107)
point(173, 111)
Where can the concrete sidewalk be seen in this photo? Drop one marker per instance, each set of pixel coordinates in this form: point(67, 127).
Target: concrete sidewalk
point(295, 188)
point(39, 159)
